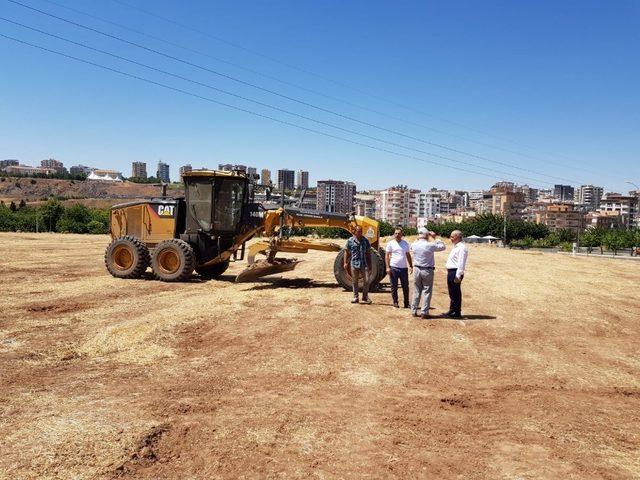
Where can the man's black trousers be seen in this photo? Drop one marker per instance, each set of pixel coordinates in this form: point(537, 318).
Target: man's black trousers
point(401, 274)
point(455, 292)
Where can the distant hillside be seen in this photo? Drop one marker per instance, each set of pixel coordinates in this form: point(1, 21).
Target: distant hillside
point(95, 192)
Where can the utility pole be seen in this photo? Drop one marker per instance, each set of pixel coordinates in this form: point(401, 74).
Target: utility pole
point(504, 229)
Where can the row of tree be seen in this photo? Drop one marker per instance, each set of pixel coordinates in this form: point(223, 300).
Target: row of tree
point(53, 216)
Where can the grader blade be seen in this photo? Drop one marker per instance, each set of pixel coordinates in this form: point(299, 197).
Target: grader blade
point(262, 268)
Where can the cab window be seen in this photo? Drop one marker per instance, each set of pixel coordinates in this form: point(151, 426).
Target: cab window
point(228, 202)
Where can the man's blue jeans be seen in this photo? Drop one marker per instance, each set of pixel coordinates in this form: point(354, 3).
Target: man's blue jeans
point(401, 274)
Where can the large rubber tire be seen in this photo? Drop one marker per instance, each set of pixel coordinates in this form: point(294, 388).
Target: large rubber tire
point(173, 260)
point(382, 265)
point(213, 271)
point(344, 278)
point(127, 257)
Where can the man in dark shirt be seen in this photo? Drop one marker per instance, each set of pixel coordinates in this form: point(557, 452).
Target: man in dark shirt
point(358, 259)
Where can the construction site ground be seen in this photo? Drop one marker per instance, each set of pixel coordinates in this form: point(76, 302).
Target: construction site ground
point(284, 378)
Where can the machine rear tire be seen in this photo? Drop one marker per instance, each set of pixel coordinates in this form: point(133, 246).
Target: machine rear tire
point(127, 257)
point(344, 278)
point(213, 271)
point(173, 260)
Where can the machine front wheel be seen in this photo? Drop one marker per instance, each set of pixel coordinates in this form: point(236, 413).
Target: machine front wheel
point(173, 260)
point(343, 277)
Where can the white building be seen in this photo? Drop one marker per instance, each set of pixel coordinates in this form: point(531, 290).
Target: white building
point(105, 175)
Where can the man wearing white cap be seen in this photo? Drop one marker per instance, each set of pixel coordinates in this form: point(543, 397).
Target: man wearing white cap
point(424, 265)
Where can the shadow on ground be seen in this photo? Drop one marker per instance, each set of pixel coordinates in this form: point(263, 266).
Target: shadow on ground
point(293, 283)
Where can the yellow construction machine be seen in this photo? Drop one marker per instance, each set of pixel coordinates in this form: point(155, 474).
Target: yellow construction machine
point(209, 227)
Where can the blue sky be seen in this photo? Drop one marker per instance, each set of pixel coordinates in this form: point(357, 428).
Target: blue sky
point(548, 87)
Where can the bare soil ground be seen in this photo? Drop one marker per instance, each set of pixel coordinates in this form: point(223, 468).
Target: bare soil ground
point(106, 378)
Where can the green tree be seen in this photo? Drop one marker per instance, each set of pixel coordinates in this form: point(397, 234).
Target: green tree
point(590, 239)
point(12, 206)
point(613, 240)
point(22, 204)
point(7, 220)
point(49, 214)
point(97, 227)
point(74, 219)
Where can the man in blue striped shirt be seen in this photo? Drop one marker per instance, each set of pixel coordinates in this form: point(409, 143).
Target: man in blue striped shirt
point(357, 262)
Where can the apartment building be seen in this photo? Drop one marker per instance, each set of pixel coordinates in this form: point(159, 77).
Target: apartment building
point(590, 196)
point(392, 205)
point(302, 179)
point(9, 163)
point(53, 164)
point(265, 176)
point(625, 205)
point(80, 170)
point(508, 203)
point(184, 169)
point(162, 172)
point(365, 204)
point(138, 169)
point(335, 196)
point(563, 193)
point(560, 216)
point(27, 170)
point(287, 178)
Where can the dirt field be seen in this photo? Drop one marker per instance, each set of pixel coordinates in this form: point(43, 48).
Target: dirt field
point(107, 378)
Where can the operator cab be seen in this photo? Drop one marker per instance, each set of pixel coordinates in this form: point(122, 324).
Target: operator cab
point(216, 202)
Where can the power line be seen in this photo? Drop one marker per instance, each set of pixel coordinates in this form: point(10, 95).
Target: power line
point(174, 75)
point(287, 97)
point(335, 82)
point(244, 110)
point(292, 84)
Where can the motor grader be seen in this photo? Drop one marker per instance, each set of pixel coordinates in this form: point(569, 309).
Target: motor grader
point(209, 227)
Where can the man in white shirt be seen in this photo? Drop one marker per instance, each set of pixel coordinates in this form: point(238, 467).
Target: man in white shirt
point(398, 258)
point(422, 252)
point(456, 264)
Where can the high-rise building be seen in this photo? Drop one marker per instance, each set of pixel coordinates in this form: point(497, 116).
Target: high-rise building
point(392, 205)
point(365, 204)
point(563, 193)
point(286, 178)
point(163, 172)
point(590, 196)
point(427, 204)
point(265, 176)
point(335, 196)
point(57, 165)
point(184, 169)
point(139, 169)
point(302, 180)
point(252, 173)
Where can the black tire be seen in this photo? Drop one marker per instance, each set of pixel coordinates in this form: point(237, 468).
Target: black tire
point(382, 268)
point(344, 278)
point(127, 257)
point(213, 271)
point(173, 260)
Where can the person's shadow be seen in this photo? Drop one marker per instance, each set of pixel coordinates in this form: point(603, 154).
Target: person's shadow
point(470, 317)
